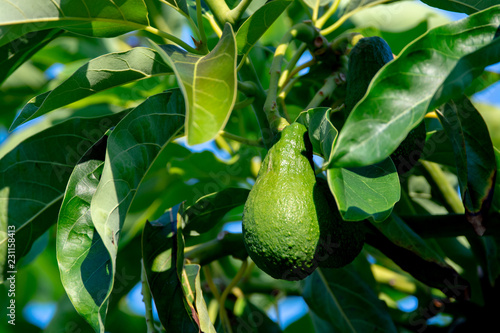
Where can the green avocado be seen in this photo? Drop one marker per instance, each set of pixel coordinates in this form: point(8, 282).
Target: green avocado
point(288, 223)
point(342, 241)
point(366, 58)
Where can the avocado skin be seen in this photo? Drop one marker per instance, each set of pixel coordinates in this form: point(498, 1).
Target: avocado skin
point(366, 58)
point(289, 226)
point(280, 226)
point(342, 241)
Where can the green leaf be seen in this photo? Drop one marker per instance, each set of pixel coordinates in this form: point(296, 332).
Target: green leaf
point(257, 24)
point(15, 53)
point(162, 251)
point(462, 6)
point(366, 192)
point(104, 72)
point(206, 212)
point(475, 159)
point(438, 148)
point(34, 174)
point(94, 18)
point(427, 74)
point(321, 131)
point(191, 283)
point(482, 82)
point(341, 298)
point(82, 257)
point(180, 5)
point(361, 193)
point(133, 146)
point(398, 232)
point(208, 84)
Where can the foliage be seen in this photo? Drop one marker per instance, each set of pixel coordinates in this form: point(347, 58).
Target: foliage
point(131, 151)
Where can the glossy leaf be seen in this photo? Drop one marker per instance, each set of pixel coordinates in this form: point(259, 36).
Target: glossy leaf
point(462, 6)
point(34, 174)
point(82, 257)
point(257, 24)
point(133, 146)
point(95, 18)
point(208, 84)
point(107, 71)
point(427, 74)
point(15, 53)
point(321, 131)
point(206, 212)
point(191, 283)
point(341, 298)
point(366, 192)
point(475, 159)
point(361, 193)
point(162, 250)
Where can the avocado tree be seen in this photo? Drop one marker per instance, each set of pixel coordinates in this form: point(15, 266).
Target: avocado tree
point(230, 157)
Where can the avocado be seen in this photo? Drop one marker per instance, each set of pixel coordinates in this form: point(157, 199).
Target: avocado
point(366, 58)
point(288, 223)
point(342, 241)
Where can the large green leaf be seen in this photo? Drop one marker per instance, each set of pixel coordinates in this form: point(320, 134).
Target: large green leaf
point(354, 4)
point(35, 172)
point(95, 18)
point(162, 251)
point(107, 71)
point(82, 257)
point(257, 24)
point(462, 6)
point(206, 212)
point(361, 193)
point(208, 84)
point(341, 298)
point(427, 74)
point(133, 146)
point(366, 192)
point(475, 159)
point(15, 53)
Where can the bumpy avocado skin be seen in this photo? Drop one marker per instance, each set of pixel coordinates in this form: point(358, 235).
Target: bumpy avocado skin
point(366, 58)
point(341, 241)
point(289, 226)
point(280, 226)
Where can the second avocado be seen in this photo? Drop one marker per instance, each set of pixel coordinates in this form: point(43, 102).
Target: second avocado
point(289, 226)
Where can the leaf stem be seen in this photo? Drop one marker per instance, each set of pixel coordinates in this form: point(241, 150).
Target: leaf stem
point(315, 12)
point(449, 193)
point(291, 64)
point(326, 90)
point(227, 290)
point(213, 24)
point(147, 299)
point(173, 39)
point(322, 20)
point(201, 31)
point(240, 139)
point(220, 10)
point(345, 17)
point(236, 13)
